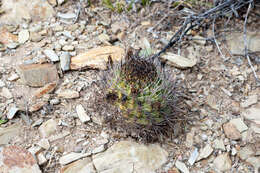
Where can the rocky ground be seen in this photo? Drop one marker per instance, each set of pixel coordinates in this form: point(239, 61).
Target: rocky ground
point(52, 58)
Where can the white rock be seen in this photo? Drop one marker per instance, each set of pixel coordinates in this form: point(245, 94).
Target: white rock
point(52, 55)
point(219, 144)
point(83, 116)
point(205, 152)
point(240, 125)
point(23, 36)
point(44, 143)
point(2, 84)
point(253, 114)
point(66, 15)
point(41, 159)
point(6, 93)
point(181, 166)
point(255, 162)
point(12, 111)
point(68, 48)
point(222, 162)
point(68, 94)
point(72, 157)
point(250, 101)
point(246, 152)
point(125, 155)
point(48, 128)
point(13, 77)
point(9, 133)
point(65, 61)
point(193, 157)
point(179, 61)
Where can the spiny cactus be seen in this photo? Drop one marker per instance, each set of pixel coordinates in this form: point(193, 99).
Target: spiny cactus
point(147, 101)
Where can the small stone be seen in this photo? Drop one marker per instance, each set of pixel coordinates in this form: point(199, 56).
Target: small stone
point(233, 151)
point(7, 37)
point(17, 159)
point(35, 37)
point(68, 48)
point(13, 77)
point(104, 38)
point(255, 162)
point(67, 15)
point(231, 131)
point(60, 2)
point(82, 114)
point(219, 144)
point(255, 128)
point(181, 166)
point(253, 114)
point(52, 2)
point(200, 40)
point(35, 149)
point(68, 34)
point(6, 93)
point(193, 157)
point(2, 84)
point(44, 90)
point(99, 149)
point(57, 47)
point(38, 75)
point(41, 158)
point(48, 128)
point(240, 125)
point(12, 45)
point(9, 133)
point(51, 55)
point(65, 61)
point(12, 111)
point(222, 162)
point(246, 152)
point(71, 157)
point(55, 101)
point(84, 166)
point(37, 106)
point(205, 152)
point(44, 143)
point(68, 94)
point(37, 122)
point(179, 61)
point(250, 101)
point(23, 36)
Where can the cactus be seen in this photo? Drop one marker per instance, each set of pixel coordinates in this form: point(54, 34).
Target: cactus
point(146, 100)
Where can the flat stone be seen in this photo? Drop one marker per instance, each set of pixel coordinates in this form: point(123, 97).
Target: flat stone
point(231, 131)
point(97, 58)
point(38, 75)
point(17, 11)
point(193, 157)
point(68, 94)
point(45, 90)
point(249, 101)
point(83, 116)
point(125, 155)
point(44, 143)
point(13, 77)
point(23, 36)
point(179, 61)
point(48, 128)
point(12, 45)
point(181, 166)
point(205, 152)
point(81, 166)
point(240, 125)
point(66, 15)
point(68, 48)
point(11, 112)
point(9, 133)
point(219, 144)
point(16, 159)
point(71, 157)
point(246, 152)
point(37, 106)
point(65, 61)
point(253, 114)
point(99, 149)
point(6, 93)
point(235, 42)
point(51, 55)
point(222, 162)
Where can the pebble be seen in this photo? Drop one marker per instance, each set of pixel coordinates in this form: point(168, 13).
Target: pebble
point(51, 55)
point(12, 111)
point(181, 166)
point(222, 162)
point(65, 61)
point(219, 144)
point(55, 101)
point(12, 45)
point(179, 61)
point(83, 116)
point(200, 40)
point(48, 128)
point(231, 131)
point(255, 162)
point(68, 48)
point(23, 36)
point(205, 152)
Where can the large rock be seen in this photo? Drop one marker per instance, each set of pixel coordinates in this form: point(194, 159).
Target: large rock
point(16, 159)
point(128, 157)
point(16, 11)
point(235, 42)
point(38, 75)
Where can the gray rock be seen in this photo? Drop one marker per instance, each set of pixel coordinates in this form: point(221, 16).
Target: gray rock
point(2, 84)
point(83, 116)
point(193, 157)
point(9, 133)
point(246, 152)
point(13, 77)
point(12, 111)
point(66, 15)
point(219, 144)
point(48, 128)
point(222, 162)
point(12, 45)
point(181, 166)
point(65, 61)
point(125, 155)
point(23, 36)
point(52, 55)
